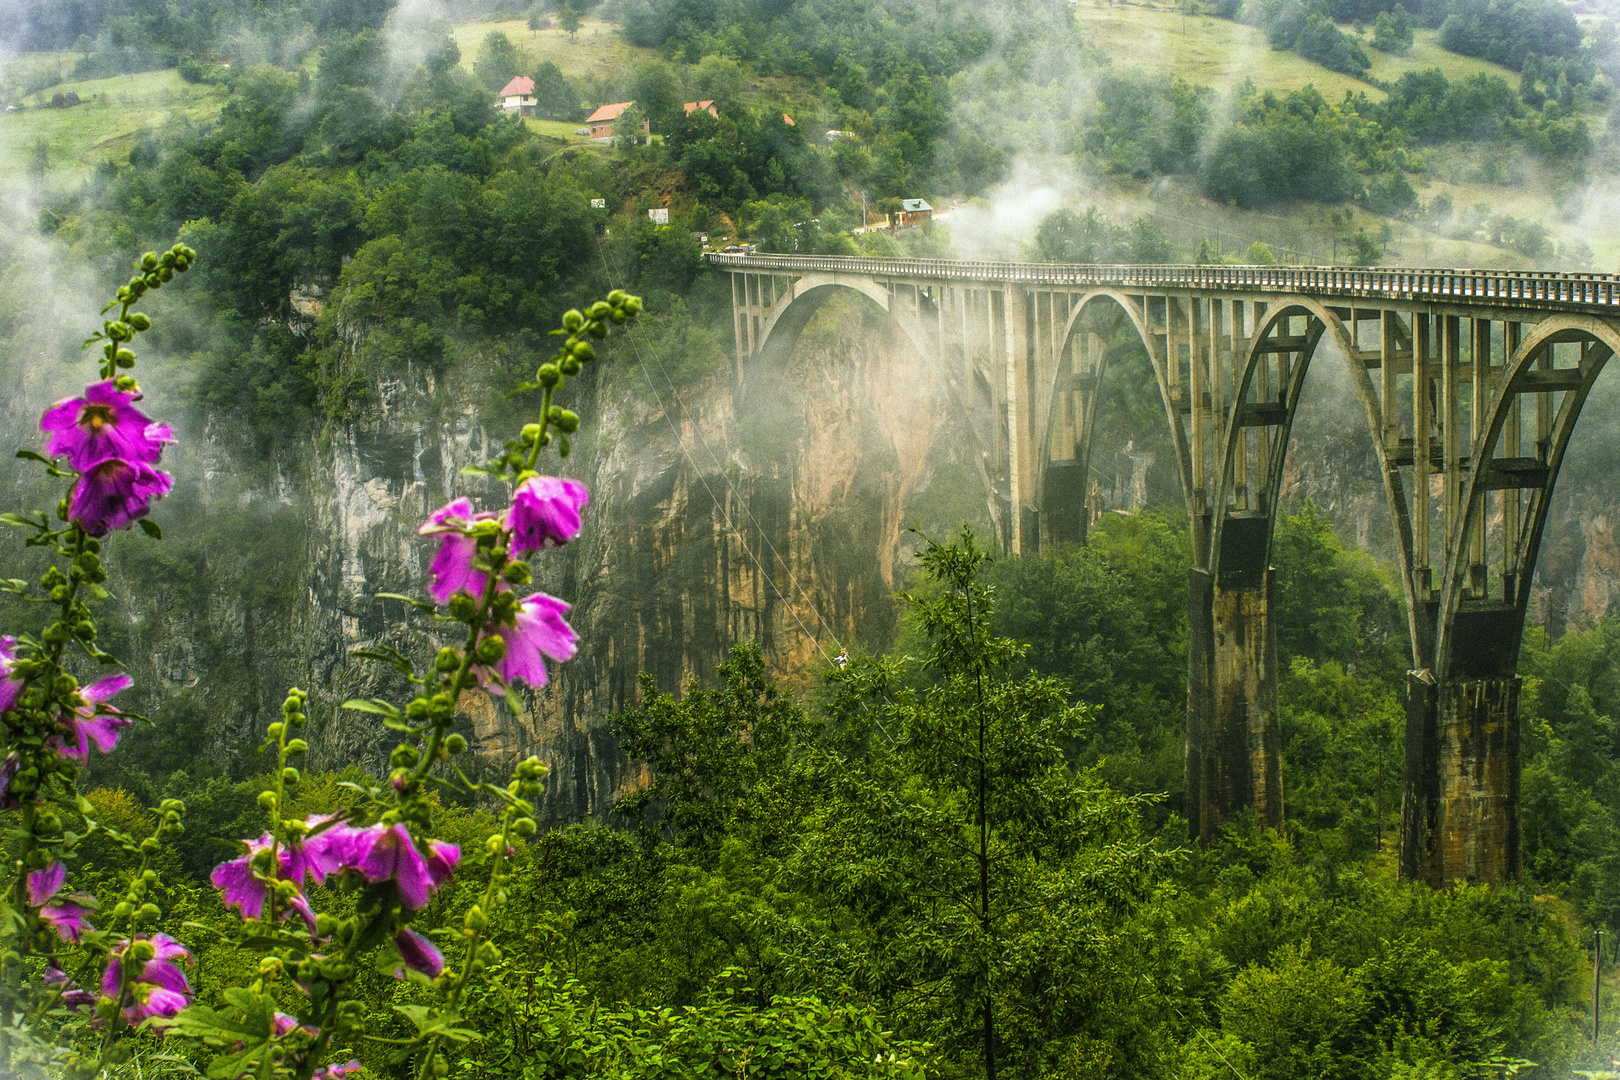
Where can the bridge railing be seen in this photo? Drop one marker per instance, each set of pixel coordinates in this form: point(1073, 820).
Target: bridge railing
point(1508, 288)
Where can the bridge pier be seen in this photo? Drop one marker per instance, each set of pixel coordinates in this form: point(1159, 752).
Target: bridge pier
point(1460, 819)
point(1234, 732)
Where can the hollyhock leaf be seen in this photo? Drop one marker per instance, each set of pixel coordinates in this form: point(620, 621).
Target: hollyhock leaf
point(151, 528)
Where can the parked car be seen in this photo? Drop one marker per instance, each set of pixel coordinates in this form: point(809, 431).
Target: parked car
point(731, 249)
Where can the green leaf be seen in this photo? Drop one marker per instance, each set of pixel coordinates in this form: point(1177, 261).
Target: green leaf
point(477, 470)
point(375, 705)
point(421, 605)
point(429, 1021)
point(34, 455)
point(390, 655)
point(19, 521)
point(150, 528)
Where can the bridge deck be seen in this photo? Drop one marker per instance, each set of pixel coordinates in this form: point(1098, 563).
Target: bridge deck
point(1536, 290)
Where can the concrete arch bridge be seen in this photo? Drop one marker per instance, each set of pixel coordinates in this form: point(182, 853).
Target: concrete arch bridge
point(1471, 383)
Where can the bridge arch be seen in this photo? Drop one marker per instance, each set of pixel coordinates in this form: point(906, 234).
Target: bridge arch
point(1089, 387)
point(779, 332)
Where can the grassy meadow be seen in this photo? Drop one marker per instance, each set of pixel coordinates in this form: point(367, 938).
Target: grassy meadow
point(104, 126)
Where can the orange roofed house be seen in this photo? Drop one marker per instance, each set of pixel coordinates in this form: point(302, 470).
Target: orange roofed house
point(707, 106)
point(518, 97)
point(601, 121)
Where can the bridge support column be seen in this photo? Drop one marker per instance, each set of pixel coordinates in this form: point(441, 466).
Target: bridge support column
point(1234, 738)
point(1460, 811)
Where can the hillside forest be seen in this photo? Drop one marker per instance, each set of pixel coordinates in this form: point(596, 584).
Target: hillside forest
point(957, 848)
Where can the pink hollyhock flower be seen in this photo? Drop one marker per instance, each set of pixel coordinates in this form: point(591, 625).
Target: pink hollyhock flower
point(545, 508)
point(452, 567)
point(103, 424)
point(539, 631)
point(10, 685)
point(72, 996)
point(112, 493)
point(390, 855)
point(441, 862)
point(158, 989)
point(336, 1072)
point(326, 849)
point(418, 954)
point(247, 893)
point(96, 721)
point(66, 915)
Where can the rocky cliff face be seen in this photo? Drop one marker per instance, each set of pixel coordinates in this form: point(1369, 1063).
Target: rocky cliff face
point(771, 507)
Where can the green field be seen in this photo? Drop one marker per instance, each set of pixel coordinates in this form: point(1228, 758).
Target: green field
point(111, 114)
point(599, 54)
point(1222, 53)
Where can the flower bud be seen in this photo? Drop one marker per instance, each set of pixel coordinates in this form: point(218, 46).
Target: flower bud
point(573, 319)
point(455, 744)
point(568, 422)
point(600, 309)
point(404, 756)
point(141, 951)
point(267, 800)
point(524, 826)
point(569, 366)
point(140, 322)
point(619, 318)
point(297, 746)
point(616, 297)
point(598, 330)
point(275, 730)
point(148, 913)
point(476, 921)
point(547, 376)
point(127, 382)
point(517, 573)
point(491, 649)
point(463, 608)
point(286, 890)
point(124, 358)
point(269, 966)
point(531, 432)
point(149, 261)
point(584, 351)
point(289, 776)
point(632, 305)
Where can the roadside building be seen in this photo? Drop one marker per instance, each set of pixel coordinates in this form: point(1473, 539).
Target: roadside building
point(517, 97)
point(601, 121)
point(912, 212)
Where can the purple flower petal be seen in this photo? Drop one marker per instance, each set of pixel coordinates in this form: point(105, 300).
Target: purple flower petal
point(418, 954)
point(392, 856)
point(441, 863)
point(239, 887)
point(336, 1072)
point(10, 685)
point(112, 493)
point(72, 996)
point(66, 918)
point(325, 851)
point(545, 508)
point(43, 884)
point(103, 424)
point(539, 631)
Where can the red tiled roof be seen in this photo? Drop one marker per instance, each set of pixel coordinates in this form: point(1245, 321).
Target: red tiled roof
point(521, 86)
point(608, 112)
point(693, 106)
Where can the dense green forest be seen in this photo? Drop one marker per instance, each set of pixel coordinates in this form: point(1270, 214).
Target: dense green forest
point(961, 854)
